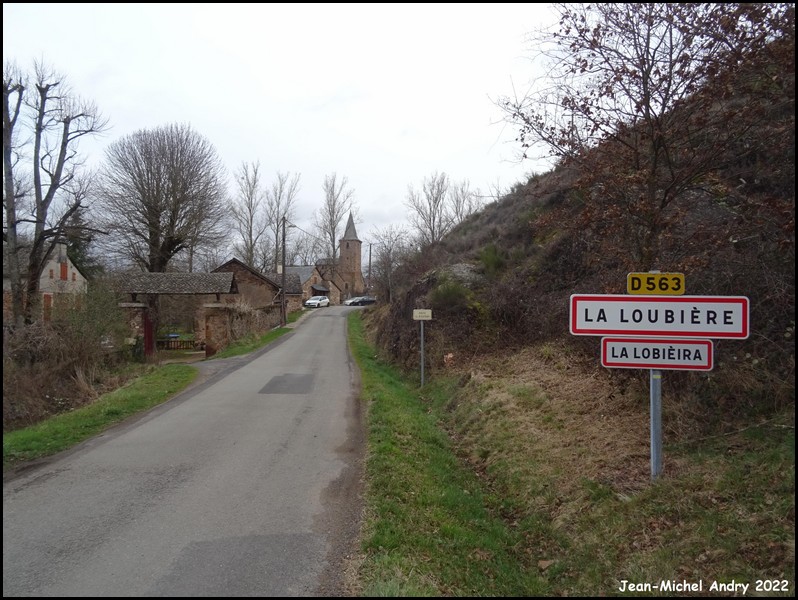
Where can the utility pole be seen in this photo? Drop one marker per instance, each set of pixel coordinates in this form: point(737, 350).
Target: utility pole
point(282, 293)
point(369, 285)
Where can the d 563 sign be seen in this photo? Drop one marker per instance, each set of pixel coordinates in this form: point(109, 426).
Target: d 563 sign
point(668, 284)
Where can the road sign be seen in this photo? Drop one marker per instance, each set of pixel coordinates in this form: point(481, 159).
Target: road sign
point(422, 314)
point(660, 316)
point(667, 284)
point(656, 353)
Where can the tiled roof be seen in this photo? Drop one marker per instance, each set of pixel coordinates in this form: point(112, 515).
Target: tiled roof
point(304, 272)
point(176, 283)
point(292, 283)
point(242, 265)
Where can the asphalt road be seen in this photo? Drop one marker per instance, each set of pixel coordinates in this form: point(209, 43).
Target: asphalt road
point(247, 484)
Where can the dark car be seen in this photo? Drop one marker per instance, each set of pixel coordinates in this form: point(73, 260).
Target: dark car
point(364, 300)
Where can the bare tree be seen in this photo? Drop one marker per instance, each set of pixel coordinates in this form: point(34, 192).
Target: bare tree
point(390, 248)
point(208, 257)
point(650, 101)
point(163, 192)
point(160, 187)
point(280, 203)
point(495, 191)
point(338, 203)
point(304, 249)
point(42, 124)
point(429, 212)
point(463, 202)
point(248, 213)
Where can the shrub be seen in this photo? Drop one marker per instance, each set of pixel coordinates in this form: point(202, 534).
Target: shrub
point(492, 260)
point(52, 367)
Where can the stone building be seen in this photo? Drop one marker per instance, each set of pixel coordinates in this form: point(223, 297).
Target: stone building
point(61, 282)
point(262, 291)
point(342, 278)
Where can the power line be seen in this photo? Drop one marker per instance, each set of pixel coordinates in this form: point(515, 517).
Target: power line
point(307, 233)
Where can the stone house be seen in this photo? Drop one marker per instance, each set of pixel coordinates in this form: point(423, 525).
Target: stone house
point(60, 282)
point(263, 290)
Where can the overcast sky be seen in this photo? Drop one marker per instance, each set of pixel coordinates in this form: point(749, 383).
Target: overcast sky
point(382, 94)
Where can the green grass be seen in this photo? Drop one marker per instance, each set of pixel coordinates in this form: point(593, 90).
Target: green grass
point(431, 530)
point(68, 429)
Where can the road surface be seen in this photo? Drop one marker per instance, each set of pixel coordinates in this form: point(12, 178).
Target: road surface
point(247, 484)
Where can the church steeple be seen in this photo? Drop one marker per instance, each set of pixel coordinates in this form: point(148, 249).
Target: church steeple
point(349, 264)
point(350, 233)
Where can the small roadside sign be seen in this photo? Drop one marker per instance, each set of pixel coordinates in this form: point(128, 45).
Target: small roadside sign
point(422, 314)
point(656, 353)
point(665, 284)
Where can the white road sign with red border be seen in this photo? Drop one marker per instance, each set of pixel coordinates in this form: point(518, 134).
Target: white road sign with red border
point(660, 316)
point(656, 353)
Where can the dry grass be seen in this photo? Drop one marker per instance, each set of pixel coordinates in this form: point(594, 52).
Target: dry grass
point(566, 449)
point(557, 410)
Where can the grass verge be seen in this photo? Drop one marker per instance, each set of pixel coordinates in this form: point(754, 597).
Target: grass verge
point(429, 531)
point(65, 430)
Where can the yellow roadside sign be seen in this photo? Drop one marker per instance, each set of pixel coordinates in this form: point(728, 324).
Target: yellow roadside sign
point(657, 284)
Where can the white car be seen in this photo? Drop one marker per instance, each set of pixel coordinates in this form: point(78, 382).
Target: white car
point(317, 301)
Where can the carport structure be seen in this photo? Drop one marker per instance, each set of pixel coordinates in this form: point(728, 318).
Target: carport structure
point(152, 285)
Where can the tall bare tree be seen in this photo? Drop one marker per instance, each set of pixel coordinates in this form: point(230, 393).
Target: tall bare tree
point(650, 101)
point(248, 213)
point(391, 246)
point(280, 204)
point(160, 187)
point(429, 213)
point(338, 203)
point(43, 120)
point(463, 202)
point(163, 191)
point(304, 249)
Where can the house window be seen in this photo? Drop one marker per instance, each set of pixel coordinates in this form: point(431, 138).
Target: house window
point(73, 277)
point(347, 245)
point(63, 271)
point(52, 274)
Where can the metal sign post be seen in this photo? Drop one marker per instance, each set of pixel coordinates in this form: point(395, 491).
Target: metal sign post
point(421, 315)
point(422, 352)
point(656, 422)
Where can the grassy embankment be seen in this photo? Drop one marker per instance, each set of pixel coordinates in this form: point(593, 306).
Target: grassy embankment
point(507, 486)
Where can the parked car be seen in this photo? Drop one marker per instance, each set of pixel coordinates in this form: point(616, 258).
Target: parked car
point(317, 302)
point(352, 301)
point(364, 300)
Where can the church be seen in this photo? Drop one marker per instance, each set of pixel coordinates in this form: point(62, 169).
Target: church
point(339, 279)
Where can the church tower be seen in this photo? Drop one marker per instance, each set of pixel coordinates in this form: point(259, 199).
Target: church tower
point(349, 262)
